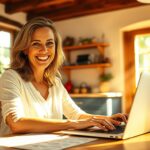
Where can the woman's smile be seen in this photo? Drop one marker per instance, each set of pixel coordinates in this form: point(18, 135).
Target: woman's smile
point(42, 58)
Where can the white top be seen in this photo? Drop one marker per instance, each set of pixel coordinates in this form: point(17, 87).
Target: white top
point(23, 100)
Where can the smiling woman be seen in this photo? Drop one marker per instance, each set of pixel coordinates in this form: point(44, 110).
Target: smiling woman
point(32, 95)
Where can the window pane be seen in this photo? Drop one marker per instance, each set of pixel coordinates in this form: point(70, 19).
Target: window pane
point(5, 39)
point(5, 44)
point(142, 54)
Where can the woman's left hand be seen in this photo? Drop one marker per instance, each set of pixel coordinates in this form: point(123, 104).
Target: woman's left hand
point(120, 117)
point(115, 119)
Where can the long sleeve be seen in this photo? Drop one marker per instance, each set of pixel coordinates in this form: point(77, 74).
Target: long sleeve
point(10, 97)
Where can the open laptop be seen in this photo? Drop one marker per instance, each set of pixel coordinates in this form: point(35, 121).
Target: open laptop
point(139, 117)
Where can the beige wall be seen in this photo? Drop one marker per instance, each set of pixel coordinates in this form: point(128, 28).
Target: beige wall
point(111, 24)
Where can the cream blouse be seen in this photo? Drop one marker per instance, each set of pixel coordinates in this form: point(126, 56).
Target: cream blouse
point(23, 100)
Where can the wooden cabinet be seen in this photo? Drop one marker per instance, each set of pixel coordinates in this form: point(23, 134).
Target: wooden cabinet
point(99, 46)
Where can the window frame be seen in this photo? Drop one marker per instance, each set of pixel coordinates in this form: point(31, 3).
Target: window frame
point(129, 66)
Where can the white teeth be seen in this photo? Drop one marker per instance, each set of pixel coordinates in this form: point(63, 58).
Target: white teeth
point(42, 58)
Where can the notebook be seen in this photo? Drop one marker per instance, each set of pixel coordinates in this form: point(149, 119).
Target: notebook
point(139, 116)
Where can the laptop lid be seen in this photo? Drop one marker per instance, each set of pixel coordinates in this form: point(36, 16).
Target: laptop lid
point(139, 118)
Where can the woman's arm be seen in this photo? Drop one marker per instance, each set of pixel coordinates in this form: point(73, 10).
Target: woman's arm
point(36, 125)
point(30, 125)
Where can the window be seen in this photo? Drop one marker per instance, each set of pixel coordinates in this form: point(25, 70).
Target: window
point(136, 59)
point(5, 45)
point(142, 54)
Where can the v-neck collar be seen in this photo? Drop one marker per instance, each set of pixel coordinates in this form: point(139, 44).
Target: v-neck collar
point(39, 94)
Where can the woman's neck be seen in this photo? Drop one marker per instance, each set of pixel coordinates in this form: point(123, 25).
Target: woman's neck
point(38, 76)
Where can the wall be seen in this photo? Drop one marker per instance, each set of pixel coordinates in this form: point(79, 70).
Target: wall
point(19, 17)
point(112, 24)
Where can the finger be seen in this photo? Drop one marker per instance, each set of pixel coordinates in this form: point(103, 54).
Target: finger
point(115, 122)
point(119, 117)
point(110, 125)
point(106, 123)
point(98, 124)
point(124, 118)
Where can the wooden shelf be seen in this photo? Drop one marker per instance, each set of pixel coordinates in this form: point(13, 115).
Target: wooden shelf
point(97, 95)
point(99, 46)
point(104, 65)
point(85, 46)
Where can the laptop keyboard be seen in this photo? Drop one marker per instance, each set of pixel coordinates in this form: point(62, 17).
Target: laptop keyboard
point(119, 129)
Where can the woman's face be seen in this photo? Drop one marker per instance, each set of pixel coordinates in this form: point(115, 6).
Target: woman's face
point(41, 51)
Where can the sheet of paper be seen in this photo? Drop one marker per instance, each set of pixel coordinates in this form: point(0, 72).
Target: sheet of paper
point(44, 141)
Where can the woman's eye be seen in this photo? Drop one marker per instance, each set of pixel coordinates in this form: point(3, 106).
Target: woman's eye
point(36, 44)
point(49, 44)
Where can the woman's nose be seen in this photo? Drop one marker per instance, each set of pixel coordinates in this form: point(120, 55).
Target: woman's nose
point(44, 48)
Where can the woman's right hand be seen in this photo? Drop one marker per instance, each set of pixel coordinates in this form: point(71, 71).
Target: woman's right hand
point(103, 124)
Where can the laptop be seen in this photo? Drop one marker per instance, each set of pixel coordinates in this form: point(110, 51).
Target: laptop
point(139, 117)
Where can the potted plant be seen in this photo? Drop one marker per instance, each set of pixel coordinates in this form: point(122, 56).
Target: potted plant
point(104, 82)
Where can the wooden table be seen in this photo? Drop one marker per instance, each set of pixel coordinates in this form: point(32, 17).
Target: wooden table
point(141, 142)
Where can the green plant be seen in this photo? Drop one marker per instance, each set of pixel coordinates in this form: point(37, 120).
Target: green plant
point(106, 77)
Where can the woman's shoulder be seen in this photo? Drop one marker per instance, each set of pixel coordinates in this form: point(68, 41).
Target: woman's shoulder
point(57, 81)
point(10, 74)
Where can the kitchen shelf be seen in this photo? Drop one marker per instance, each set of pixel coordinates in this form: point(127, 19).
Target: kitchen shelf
point(85, 46)
point(102, 65)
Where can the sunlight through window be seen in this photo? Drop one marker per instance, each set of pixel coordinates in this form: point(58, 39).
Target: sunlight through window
point(5, 44)
point(142, 54)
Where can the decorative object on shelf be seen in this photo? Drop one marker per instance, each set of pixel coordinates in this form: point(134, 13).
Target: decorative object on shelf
point(76, 90)
point(69, 41)
point(69, 86)
point(83, 59)
point(84, 88)
point(106, 77)
point(104, 84)
point(87, 40)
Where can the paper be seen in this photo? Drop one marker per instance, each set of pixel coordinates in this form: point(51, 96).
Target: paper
point(44, 141)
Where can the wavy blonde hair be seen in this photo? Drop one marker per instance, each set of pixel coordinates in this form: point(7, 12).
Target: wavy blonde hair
point(20, 61)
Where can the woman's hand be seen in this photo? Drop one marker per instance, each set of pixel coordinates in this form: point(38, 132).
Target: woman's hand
point(103, 123)
point(120, 117)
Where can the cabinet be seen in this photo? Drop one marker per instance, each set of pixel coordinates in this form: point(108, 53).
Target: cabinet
point(100, 103)
point(99, 46)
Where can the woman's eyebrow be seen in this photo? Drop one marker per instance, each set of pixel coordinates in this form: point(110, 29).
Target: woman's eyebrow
point(35, 41)
point(40, 40)
point(50, 40)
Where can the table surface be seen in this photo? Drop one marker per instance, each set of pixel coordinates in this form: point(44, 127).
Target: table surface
point(141, 142)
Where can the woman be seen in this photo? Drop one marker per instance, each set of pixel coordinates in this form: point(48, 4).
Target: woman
point(32, 97)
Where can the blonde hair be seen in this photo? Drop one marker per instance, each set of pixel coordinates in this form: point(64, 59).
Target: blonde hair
point(20, 61)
